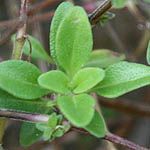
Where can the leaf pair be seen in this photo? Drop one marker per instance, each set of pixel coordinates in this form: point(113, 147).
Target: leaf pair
point(70, 38)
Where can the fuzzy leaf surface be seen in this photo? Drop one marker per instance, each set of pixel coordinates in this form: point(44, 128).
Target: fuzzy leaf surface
point(97, 126)
point(87, 78)
point(59, 15)
point(74, 41)
point(10, 102)
point(123, 77)
point(148, 53)
point(104, 58)
point(55, 80)
point(19, 78)
point(78, 109)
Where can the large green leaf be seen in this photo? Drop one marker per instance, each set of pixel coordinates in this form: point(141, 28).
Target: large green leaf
point(10, 102)
point(38, 51)
point(19, 78)
point(78, 109)
point(104, 58)
point(87, 78)
point(148, 53)
point(123, 77)
point(73, 41)
point(97, 126)
point(29, 134)
point(59, 15)
point(55, 80)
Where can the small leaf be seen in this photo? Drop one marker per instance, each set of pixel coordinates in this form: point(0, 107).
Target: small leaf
point(104, 58)
point(52, 122)
point(47, 134)
point(38, 51)
point(19, 78)
point(78, 109)
point(59, 15)
point(10, 102)
point(58, 133)
point(123, 77)
point(97, 126)
point(73, 41)
point(29, 134)
point(119, 3)
point(148, 53)
point(87, 78)
point(56, 81)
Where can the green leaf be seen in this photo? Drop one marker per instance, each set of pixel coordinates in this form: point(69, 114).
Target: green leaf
point(55, 80)
point(29, 134)
point(123, 77)
point(148, 53)
point(59, 15)
point(58, 133)
point(74, 41)
point(87, 78)
point(10, 102)
point(47, 134)
point(52, 122)
point(119, 3)
point(19, 78)
point(104, 58)
point(97, 126)
point(38, 51)
point(78, 109)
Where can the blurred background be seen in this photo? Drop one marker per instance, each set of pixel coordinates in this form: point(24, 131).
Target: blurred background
point(128, 33)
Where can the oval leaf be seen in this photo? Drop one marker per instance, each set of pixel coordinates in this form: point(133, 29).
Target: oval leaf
point(19, 78)
point(78, 109)
point(104, 58)
point(74, 41)
point(29, 134)
point(119, 3)
point(148, 53)
point(56, 81)
point(87, 78)
point(97, 126)
point(59, 15)
point(123, 77)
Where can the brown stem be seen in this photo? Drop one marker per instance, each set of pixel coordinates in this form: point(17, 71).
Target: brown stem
point(123, 142)
point(94, 17)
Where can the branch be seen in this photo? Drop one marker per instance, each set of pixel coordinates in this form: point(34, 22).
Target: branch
point(123, 142)
point(20, 36)
point(136, 109)
point(35, 118)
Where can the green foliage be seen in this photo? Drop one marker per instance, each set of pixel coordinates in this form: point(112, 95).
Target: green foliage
point(73, 41)
point(123, 77)
point(10, 102)
point(78, 109)
point(87, 78)
point(119, 3)
point(104, 58)
point(56, 81)
point(59, 15)
point(97, 126)
point(19, 78)
point(148, 53)
point(29, 134)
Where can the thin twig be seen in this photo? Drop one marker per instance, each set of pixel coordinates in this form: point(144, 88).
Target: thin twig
point(21, 33)
point(123, 142)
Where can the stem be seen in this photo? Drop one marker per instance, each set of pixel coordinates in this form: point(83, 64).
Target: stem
point(28, 117)
point(123, 142)
point(20, 36)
